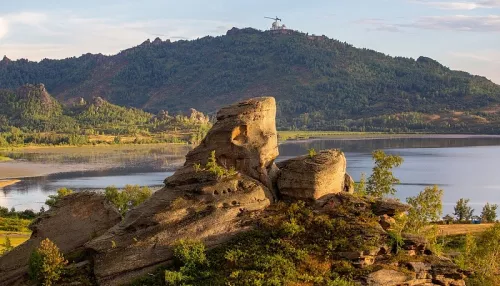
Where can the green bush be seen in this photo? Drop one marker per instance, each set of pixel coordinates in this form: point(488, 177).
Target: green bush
point(61, 193)
point(128, 198)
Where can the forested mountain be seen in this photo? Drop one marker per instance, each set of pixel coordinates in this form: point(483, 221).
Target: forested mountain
point(319, 83)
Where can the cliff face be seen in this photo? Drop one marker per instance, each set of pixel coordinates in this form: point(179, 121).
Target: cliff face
point(230, 187)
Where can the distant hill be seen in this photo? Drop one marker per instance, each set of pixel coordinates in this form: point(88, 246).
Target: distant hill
point(319, 83)
point(29, 114)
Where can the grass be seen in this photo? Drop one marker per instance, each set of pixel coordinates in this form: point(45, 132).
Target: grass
point(16, 238)
point(4, 159)
point(456, 229)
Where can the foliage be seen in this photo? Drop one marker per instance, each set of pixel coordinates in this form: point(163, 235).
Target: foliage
point(462, 210)
point(7, 246)
point(381, 181)
point(426, 207)
point(360, 188)
point(191, 259)
point(12, 213)
point(291, 245)
point(129, 197)
point(482, 254)
point(46, 264)
point(29, 115)
point(213, 167)
point(321, 83)
point(14, 224)
point(61, 193)
point(489, 213)
point(312, 152)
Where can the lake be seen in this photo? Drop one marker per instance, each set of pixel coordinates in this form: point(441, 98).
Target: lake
point(463, 166)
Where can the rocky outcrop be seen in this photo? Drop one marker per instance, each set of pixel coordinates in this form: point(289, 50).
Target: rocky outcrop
point(197, 203)
point(198, 117)
point(312, 177)
point(74, 221)
point(244, 137)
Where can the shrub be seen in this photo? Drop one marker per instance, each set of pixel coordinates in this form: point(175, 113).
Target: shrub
point(216, 169)
point(61, 193)
point(46, 264)
point(312, 152)
point(128, 198)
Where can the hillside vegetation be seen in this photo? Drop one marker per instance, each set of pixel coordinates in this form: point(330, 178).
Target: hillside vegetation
point(320, 83)
point(30, 115)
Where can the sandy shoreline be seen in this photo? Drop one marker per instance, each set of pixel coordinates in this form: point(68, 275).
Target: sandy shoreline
point(23, 169)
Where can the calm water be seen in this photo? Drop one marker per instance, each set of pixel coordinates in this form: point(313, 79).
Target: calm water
point(462, 167)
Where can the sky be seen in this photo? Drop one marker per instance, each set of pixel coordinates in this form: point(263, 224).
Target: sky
point(461, 34)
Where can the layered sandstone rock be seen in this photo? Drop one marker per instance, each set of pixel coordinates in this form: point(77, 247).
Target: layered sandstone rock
point(75, 220)
point(196, 203)
point(312, 177)
point(244, 137)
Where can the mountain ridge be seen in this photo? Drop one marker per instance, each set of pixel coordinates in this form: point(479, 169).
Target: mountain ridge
point(320, 83)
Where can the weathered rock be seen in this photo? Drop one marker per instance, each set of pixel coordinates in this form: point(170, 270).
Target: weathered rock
point(387, 277)
point(75, 220)
point(349, 184)
point(198, 117)
point(201, 207)
point(389, 207)
point(312, 177)
point(244, 137)
point(195, 203)
point(415, 244)
point(447, 274)
point(421, 269)
point(387, 222)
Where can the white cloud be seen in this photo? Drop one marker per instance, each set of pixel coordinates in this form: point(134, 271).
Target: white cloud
point(464, 5)
point(489, 23)
point(3, 27)
point(64, 35)
point(482, 62)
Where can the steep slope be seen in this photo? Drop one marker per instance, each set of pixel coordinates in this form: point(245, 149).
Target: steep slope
point(319, 83)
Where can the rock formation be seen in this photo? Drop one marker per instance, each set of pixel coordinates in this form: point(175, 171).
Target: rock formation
point(195, 202)
point(75, 220)
point(312, 177)
point(244, 137)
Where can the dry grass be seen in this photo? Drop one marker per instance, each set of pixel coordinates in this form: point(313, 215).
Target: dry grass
point(454, 229)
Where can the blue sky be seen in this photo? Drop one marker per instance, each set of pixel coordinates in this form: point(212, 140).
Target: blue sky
point(461, 34)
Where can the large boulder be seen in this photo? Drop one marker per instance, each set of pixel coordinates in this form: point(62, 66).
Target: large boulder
point(312, 177)
point(197, 202)
point(72, 222)
point(244, 137)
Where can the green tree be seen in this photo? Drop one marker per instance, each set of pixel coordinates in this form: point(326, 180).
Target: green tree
point(46, 264)
point(448, 219)
point(489, 213)
point(381, 182)
point(426, 207)
point(190, 257)
point(129, 197)
point(360, 188)
point(462, 210)
point(61, 193)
